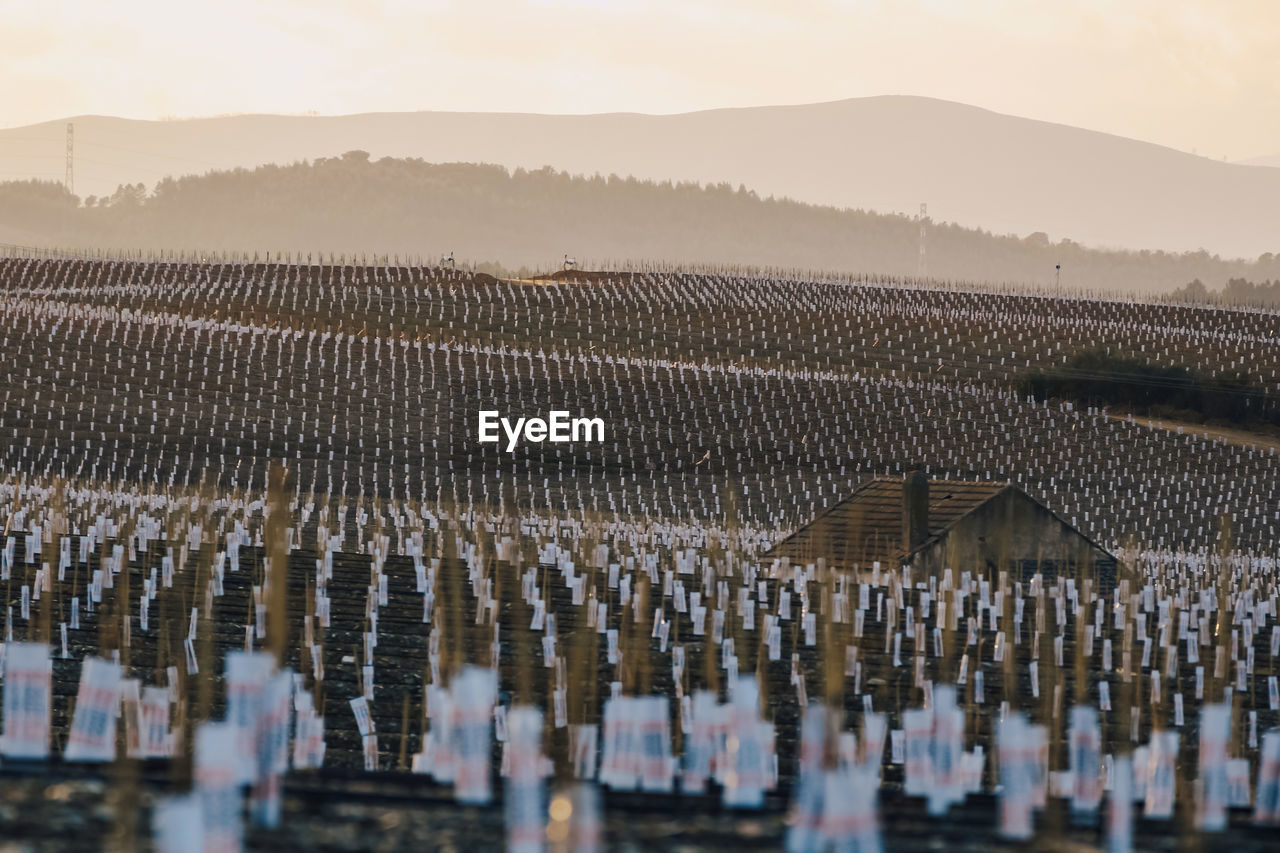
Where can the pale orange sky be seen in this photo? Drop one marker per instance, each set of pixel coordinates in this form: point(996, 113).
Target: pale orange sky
point(1199, 75)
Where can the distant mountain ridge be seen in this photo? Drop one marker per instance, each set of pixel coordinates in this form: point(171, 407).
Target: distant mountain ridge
point(1273, 160)
point(971, 166)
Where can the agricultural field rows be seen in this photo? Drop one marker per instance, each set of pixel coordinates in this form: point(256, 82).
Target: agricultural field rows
point(257, 457)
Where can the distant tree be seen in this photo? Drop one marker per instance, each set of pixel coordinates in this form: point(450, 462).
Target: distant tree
point(1192, 291)
point(128, 195)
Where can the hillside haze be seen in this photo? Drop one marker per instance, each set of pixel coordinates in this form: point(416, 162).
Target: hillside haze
point(526, 219)
point(972, 166)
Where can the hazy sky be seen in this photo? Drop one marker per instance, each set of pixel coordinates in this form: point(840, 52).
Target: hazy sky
point(1199, 75)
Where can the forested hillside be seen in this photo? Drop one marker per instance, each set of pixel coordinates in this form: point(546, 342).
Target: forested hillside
point(487, 214)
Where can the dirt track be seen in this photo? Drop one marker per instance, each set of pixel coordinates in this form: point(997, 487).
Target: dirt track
point(1239, 437)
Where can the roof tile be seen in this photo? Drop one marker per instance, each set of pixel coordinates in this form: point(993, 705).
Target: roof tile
point(867, 525)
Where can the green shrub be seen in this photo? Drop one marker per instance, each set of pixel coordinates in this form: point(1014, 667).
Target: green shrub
point(1096, 376)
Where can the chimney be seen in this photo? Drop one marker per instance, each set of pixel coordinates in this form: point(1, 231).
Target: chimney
point(915, 510)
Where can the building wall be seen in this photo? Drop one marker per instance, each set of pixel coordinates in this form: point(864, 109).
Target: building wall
point(1013, 530)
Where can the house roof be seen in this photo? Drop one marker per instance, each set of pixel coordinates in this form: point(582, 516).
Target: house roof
point(867, 525)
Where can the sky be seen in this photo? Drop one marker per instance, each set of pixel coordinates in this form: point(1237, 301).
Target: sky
point(1200, 75)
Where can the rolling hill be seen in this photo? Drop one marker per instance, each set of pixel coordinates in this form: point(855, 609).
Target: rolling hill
point(972, 166)
point(355, 205)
